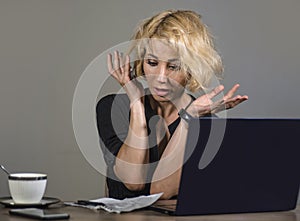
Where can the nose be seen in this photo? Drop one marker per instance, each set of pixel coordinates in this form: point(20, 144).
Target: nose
point(162, 75)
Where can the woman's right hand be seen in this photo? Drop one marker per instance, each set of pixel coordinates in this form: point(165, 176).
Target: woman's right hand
point(120, 70)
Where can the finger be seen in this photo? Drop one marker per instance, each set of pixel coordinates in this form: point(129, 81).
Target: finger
point(232, 104)
point(226, 104)
point(122, 61)
point(215, 91)
point(237, 98)
point(109, 63)
point(127, 64)
point(231, 92)
point(125, 70)
point(116, 60)
point(240, 100)
point(245, 97)
point(110, 67)
point(235, 101)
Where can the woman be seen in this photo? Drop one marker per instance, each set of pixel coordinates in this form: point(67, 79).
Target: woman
point(143, 132)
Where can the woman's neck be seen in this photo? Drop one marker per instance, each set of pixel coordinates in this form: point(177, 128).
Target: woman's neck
point(169, 109)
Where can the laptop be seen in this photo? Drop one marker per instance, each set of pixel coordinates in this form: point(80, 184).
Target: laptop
point(251, 165)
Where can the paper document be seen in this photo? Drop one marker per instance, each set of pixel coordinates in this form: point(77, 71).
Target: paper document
point(118, 206)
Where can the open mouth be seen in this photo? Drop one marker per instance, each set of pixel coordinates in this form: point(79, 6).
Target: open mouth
point(161, 91)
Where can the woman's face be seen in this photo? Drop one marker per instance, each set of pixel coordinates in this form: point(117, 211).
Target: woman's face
point(162, 70)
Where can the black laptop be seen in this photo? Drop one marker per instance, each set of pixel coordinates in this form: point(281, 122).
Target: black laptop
point(251, 165)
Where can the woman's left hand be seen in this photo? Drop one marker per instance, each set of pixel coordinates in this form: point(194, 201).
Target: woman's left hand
point(205, 105)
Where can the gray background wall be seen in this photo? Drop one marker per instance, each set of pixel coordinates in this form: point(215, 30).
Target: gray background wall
point(45, 45)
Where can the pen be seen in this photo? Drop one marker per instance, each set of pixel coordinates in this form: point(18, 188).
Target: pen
point(89, 203)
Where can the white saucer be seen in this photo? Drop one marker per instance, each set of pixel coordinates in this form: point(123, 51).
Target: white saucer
point(46, 201)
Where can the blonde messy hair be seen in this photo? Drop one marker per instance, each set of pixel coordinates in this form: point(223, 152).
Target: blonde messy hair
point(185, 32)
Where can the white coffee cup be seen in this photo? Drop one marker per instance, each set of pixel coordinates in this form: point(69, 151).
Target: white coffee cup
point(27, 188)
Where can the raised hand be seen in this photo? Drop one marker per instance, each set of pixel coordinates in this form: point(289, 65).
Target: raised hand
point(120, 70)
point(205, 105)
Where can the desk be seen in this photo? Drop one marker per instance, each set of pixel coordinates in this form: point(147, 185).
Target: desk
point(81, 214)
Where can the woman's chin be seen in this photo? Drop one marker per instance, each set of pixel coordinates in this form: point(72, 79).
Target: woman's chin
point(160, 98)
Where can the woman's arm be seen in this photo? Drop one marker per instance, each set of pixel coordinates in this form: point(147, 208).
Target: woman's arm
point(133, 154)
point(167, 175)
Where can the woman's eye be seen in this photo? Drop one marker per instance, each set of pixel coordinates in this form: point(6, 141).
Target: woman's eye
point(174, 67)
point(151, 62)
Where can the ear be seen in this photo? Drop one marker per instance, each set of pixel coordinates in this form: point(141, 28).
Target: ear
point(188, 79)
point(189, 76)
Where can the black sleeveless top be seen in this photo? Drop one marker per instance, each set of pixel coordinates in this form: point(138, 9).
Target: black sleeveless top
point(113, 115)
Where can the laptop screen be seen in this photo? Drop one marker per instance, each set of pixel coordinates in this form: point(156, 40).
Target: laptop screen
point(251, 166)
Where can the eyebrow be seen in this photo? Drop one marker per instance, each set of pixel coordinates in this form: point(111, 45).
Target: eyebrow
point(169, 60)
